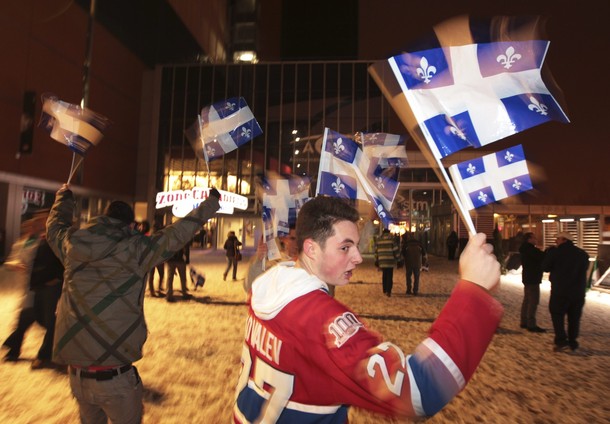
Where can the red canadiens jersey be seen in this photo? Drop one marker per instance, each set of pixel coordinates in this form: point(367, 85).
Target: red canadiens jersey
point(307, 357)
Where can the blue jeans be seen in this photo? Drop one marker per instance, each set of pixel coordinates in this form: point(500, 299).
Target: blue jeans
point(118, 399)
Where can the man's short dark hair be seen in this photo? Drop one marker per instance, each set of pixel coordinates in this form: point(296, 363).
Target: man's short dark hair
point(120, 210)
point(317, 217)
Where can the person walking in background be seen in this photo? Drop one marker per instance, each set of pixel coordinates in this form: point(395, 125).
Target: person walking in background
point(386, 259)
point(452, 244)
point(531, 261)
point(413, 253)
point(568, 267)
point(44, 272)
point(307, 357)
point(231, 247)
point(100, 329)
point(160, 271)
point(178, 262)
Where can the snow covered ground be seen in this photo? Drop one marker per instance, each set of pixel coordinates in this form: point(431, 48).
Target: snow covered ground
point(191, 360)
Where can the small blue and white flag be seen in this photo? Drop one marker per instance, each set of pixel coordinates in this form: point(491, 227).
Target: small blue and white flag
point(346, 172)
point(490, 178)
point(390, 149)
point(282, 200)
point(225, 126)
point(69, 124)
point(473, 95)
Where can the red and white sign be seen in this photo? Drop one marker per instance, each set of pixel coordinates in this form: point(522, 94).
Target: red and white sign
point(184, 201)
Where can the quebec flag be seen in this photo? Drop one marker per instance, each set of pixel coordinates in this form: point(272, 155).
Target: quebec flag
point(282, 200)
point(490, 178)
point(346, 172)
point(77, 128)
point(225, 126)
point(390, 149)
point(473, 95)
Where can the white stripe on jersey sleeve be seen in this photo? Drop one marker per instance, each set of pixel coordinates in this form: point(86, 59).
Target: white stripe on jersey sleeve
point(447, 361)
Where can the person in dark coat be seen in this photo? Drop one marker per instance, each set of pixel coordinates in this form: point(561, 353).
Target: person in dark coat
point(568, 266)
point(531, 261)
point(452, 244)
point(231, 247)
point(45, 285)
point(413, 253)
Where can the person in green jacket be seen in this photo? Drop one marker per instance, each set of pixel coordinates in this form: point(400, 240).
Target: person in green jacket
point(100, 328)
point(386, 259)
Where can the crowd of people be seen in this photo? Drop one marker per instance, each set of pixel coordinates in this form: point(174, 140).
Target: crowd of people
point(86, 287)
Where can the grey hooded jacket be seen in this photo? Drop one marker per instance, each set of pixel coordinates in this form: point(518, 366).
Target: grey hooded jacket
point(100, 316)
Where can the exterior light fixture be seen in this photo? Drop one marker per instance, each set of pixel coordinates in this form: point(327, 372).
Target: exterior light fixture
point(546, 221)
point(590, 218)
point(566, 220)
point(248, 56)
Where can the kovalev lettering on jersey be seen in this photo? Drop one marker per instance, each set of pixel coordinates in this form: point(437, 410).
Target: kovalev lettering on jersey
point(263, 340)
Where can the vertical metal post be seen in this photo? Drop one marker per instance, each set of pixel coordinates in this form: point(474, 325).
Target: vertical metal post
point(88, 54)
point(85, 99)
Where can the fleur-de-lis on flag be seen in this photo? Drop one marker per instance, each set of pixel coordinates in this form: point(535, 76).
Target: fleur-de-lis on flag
point(338, 146)
point(482, 197)
point(509, 58)
point(210, 151)
point(426, 71)
point(231, 105)
point(509, 156)
point(457, 132)
point(379, 182)
point(338, 186)
point(471, 169)
point(380, 211)
point(517, 184)
point(246, 132)
point(537, 107)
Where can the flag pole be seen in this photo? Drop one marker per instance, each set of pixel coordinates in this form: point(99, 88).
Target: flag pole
point(205, 155)
point(394, 95)
point(73, 167)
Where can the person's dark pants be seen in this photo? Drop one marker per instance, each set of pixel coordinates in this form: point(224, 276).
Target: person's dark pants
point(231, 262)
point(415, 273)
point(171, 271)
point(451, 253)
point(43, 312)
point(151, 278)
point(27, 317)
point(529, 306)
point(559, 307)
point(387, 280)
